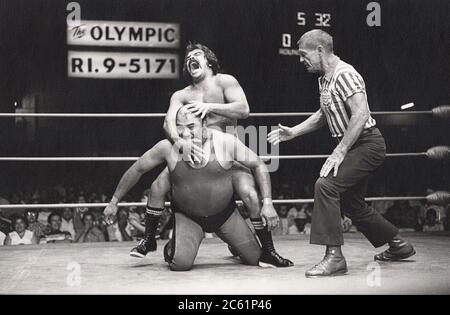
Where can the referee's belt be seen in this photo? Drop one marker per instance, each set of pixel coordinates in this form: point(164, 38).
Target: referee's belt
point(363, 133)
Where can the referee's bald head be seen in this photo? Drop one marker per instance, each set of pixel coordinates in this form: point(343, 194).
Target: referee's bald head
point(316, 38)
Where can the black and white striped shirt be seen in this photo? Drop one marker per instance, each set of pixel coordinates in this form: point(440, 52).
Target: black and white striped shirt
point(334, 91)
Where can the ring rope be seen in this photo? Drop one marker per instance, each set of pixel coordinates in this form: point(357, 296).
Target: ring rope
point(143, 204)
point(119, 158)
point(157, 115)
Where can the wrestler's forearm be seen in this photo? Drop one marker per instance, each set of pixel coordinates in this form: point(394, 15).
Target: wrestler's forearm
point(170, 129)
point(128, 180)
point(354, 129)
point(313, 123)
point(262, 178)
point(234, 110)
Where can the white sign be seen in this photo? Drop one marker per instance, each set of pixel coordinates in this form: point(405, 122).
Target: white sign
point(116, 65)
point(131, 34)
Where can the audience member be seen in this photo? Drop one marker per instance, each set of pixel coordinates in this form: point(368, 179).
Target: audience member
point(20, 235)
point(67, 222)
point(55, 235)
point(5, 224)
point(2, 238)
point(121, 230)
point(432, 223)
point(90, 233)
point(402, 215)
point(38, 228)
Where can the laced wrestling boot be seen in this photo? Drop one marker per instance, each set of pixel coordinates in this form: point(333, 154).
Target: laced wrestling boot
point(333, 264)
point(271, 259)
point(398, 249)
point(268, 259)
point(144, 247)
point(148, 243)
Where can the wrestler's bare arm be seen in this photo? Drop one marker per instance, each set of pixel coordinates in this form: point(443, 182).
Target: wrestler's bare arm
point(170, 123)
point(149, 160)
point(235, 106)
point(250, 159)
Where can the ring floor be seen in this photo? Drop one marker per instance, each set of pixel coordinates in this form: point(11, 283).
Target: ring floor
point(106, 268)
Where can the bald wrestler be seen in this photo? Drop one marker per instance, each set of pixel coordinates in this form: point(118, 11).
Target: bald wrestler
point(202, 191)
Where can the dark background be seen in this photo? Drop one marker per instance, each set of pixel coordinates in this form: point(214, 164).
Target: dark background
point(405, 60)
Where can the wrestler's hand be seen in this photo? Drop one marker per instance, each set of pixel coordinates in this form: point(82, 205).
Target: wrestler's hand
point(191, 151)
point(199, 108)
point(283, 133)
point(332, 162)
point(110, 213)
point(269, 216)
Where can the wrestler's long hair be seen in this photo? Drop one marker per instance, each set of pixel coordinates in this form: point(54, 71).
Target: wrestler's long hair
point(213, 62)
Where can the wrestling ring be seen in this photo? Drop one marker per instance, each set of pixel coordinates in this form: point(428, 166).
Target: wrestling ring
point(106, 267)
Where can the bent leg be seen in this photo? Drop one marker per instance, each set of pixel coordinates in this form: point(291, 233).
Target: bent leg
point(358, 164)
point(181, 250)
point(236, 233)
point(155, 206)
point(245, 186)
point(159, 189)
point(368, 221)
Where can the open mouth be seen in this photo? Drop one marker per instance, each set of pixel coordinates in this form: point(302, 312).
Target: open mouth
point(194, 65)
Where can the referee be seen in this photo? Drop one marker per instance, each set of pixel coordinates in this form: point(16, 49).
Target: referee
point(360, 150)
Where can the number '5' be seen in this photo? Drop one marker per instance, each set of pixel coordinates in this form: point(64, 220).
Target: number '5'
point(134, 62)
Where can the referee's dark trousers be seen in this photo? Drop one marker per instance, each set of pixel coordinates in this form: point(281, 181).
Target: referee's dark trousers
point(346, 193)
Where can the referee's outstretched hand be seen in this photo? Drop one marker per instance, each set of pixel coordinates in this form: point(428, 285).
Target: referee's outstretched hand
point(283, 133)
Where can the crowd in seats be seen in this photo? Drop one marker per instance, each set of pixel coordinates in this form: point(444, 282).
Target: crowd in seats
point(82, 225)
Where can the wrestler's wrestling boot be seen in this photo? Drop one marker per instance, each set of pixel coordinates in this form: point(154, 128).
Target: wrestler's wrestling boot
point(148, 243)
point(398, 249)
point(333, 264)
point(143, 248)
point(269, 257)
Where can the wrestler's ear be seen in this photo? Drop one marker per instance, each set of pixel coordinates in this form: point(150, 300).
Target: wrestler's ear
point(320, 49)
